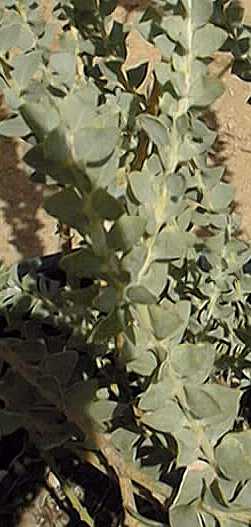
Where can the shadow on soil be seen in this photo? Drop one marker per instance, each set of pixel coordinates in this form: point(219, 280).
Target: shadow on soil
point(218, 156)
point(21, 200)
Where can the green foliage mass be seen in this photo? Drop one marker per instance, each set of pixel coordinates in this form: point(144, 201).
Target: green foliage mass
point(159, 347)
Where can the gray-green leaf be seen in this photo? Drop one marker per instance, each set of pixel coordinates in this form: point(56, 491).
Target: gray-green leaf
point(40, 117)
point(233, 455)
point(14, 127)
point(16, 36)
point(106, 206)
point(95, 145)
point(169, 320)
point(199, 11)
point(193, 362)
point(167, 418)
point(126, 232)
point(207, 40)
point(154, 128)
point(172, 245)
point(68, 207)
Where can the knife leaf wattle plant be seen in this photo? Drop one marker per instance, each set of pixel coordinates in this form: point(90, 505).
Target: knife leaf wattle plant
point(157, 352)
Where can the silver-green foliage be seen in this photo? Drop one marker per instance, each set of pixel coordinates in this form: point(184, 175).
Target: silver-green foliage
point(170, 306)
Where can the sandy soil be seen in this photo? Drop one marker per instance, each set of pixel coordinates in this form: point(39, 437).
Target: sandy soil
point(233, 119)
point(26, 230)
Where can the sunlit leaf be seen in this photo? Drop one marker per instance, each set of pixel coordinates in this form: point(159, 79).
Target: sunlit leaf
point(169, 320)
point(207, 40)
point(172, 245)
point(193, 362)
point(139, 294)
point(199, 12)
point(14, 127)
point(185, 514)
point(212, 402)
point(165, 45)
point(16, 36)
point(233, 455)
point(204, 91)
point(25, 66)
point(40, 117)
point(141, 187)
point(63, 65)
point(154, 128)
point(168, 418)
point(94, 145)
point(175, 27)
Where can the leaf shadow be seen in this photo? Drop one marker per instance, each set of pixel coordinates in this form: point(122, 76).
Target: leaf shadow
point(20, 201)
point(219, 156)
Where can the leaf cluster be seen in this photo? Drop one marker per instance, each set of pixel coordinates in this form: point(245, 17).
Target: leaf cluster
point(158, 315)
